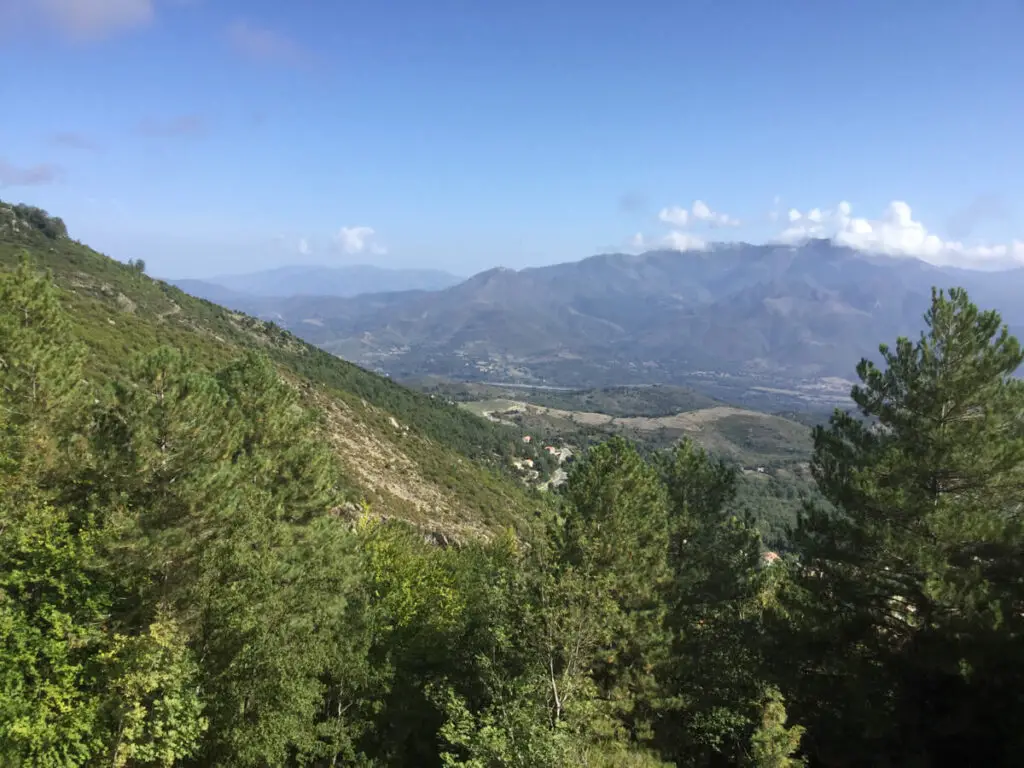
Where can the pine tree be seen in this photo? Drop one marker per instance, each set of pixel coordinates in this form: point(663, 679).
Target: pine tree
point(900, 602)
point(219, 488)
point(616, 545)
point(713, 678)
point(42, 391)
point(773, 744)
point(50, 609)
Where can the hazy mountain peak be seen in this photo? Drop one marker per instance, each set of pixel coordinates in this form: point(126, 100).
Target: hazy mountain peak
point(312, 280)
point(793, 310)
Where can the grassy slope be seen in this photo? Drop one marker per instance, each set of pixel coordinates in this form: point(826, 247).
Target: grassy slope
point(739, 435)
point(657, 400)
point(439, 467)
point(656, 417)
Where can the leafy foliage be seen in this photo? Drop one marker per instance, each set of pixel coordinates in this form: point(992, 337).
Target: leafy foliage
point(33, 218)
point(907, 600)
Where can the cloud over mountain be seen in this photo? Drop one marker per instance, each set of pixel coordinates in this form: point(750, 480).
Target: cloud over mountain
point(353, 240)
point(895, 233)
point(700, 211)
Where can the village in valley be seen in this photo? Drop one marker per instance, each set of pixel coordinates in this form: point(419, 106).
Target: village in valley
point(531, 474)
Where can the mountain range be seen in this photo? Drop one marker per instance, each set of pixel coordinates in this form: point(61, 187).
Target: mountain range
point(771, 312)
point(301, 280)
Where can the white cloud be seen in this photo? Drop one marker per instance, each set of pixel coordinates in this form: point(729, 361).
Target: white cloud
point(683, 241)
point(895, 233)
point(354, 240)
point(700, 211)
point(673, 241)
point(303, 247)
point(676, 216)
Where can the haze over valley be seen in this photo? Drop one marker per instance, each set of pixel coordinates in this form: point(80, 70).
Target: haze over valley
point(294, 281)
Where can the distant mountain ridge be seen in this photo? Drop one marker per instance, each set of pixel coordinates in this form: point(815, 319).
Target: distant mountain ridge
point(787, 312)
point(301, 280)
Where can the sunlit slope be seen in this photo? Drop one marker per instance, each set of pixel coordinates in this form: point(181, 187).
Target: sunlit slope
point(407, 454)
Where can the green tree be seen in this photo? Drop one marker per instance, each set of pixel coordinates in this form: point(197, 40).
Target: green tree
point(51, 638)
point(714, 678)
point(219, 488)
point(42, 392)
point(415, 619)
point(71, 691)
point(907, 601)
point(50, 607)
point(533, 630)
point(699, 487)
point(50, 226)
point(615, 548)
point(151, 703)
point(773, 744)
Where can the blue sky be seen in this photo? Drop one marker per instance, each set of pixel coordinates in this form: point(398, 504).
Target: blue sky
point(211, 136)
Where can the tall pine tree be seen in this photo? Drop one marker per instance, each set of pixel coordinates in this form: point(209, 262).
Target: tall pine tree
point(908, 595)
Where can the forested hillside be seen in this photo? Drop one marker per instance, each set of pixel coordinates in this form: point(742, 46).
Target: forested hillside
point(179, 585)
point(412, 456)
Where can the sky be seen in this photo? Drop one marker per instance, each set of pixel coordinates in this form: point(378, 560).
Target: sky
point(223, 136)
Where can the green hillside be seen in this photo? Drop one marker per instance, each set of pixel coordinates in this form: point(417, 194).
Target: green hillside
point(407, 454)
point(655, 400)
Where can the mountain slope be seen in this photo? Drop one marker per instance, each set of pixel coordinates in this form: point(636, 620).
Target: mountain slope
point(218, 294)
point(407, 454)
point(776, 311)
